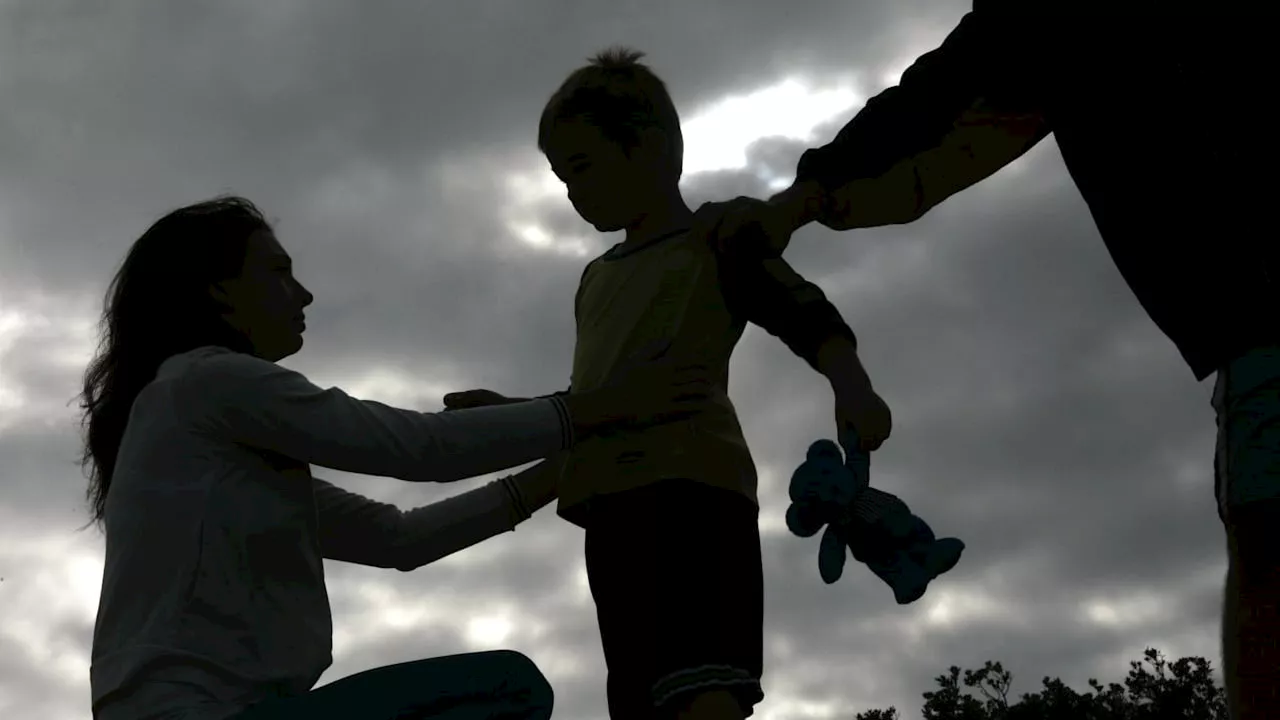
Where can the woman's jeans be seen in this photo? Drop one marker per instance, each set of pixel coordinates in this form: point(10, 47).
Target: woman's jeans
point(501, 684)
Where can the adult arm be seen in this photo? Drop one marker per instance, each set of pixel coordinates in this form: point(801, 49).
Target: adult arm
point(246, 400)
point(960, 113)
point(357, 529)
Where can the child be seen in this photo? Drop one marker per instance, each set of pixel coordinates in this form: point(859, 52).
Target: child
point(670, 513)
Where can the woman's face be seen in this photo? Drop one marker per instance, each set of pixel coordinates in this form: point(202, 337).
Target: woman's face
point(265, 302)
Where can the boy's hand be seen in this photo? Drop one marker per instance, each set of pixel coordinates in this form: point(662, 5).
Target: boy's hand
point(475, 399)
point(860, 407)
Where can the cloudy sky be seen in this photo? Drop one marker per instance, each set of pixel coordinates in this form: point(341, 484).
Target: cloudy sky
point(1039, 415)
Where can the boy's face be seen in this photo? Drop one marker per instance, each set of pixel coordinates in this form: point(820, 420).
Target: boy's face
point(608, 188)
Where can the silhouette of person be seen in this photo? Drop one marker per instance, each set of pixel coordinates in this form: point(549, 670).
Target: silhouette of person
point(1160, 112)
point(672, 539)
point(213, 602)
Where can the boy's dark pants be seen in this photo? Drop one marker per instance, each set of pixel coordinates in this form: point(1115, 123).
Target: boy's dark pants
point(675, 572)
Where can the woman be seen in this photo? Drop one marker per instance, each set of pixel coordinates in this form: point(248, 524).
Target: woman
point(213, 601)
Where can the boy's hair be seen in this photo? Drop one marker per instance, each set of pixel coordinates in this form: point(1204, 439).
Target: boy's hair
point(621, 97)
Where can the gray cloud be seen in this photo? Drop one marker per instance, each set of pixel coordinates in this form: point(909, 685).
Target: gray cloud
point(1039, 415)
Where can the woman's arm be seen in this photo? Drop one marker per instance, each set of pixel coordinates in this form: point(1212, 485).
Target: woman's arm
point(243, 399)
point(356, 529)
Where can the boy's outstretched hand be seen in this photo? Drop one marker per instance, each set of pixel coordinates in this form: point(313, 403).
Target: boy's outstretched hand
point(866, 412)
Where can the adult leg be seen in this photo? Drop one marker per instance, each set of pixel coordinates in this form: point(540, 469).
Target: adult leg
point(1247, 485)
point(474, 686)
point(1251, 624)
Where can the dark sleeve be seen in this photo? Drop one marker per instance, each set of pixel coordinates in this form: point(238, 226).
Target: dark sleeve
point(770, 294)
point(960, 113)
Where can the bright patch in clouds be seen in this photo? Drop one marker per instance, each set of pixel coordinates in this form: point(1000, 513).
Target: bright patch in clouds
point(49, 581)
point(784, 707)
point(950, 607)
point(717, 138)
point(390, 386)
point(791, 700)
point(489, 631)
point(535, 235)
point(62, 332)
point(530, 192)
point(1134, 610)
point(11, 397)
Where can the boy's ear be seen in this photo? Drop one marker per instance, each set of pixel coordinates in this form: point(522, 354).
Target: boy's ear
point(656, 147)
point(654, 141)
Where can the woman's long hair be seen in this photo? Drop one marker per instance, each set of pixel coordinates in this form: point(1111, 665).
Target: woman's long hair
point(158, 305)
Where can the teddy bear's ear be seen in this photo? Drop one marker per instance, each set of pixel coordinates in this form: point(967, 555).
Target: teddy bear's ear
point(824, 450)
point(803, 520)
point(806, 483)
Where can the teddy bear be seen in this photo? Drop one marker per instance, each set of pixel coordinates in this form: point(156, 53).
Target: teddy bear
point(877, 527)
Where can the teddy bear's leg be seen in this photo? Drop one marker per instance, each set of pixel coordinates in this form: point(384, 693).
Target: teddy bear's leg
point(923, 532)
point(905, 577)
point(940, 556)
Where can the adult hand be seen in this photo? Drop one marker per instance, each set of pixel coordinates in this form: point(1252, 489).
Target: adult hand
point(475, 399)
point(757, 228)
point(653, 394)
point(743, 226)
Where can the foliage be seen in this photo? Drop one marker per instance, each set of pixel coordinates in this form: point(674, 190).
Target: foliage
point(1182, 690)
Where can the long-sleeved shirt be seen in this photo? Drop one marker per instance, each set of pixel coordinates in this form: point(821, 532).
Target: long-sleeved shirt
point(1161, 112)
point(213, 595)
point(674, 299)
